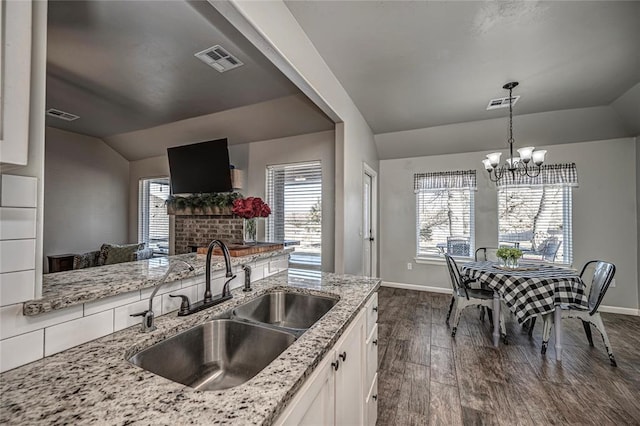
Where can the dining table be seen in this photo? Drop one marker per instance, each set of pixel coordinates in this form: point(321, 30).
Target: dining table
point(528, 290)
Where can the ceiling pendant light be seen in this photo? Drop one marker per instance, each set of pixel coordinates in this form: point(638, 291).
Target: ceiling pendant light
point(521, 164)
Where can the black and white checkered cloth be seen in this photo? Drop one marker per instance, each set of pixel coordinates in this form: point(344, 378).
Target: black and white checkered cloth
point(532, 292)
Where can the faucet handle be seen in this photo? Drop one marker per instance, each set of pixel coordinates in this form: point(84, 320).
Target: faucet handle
point(139, 314)
point(185, 306)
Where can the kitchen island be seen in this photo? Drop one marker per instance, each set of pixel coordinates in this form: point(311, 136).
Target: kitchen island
point(94, 383)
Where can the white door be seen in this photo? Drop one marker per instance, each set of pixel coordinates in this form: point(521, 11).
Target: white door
point(369, 222)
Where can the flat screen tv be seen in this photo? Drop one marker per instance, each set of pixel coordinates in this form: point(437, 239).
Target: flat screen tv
point(200, 167)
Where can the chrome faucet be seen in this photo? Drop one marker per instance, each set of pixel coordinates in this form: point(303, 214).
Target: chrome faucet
point(148, 316)
point(208, 301)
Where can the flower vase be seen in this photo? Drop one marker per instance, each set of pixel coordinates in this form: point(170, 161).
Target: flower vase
point(249, 228)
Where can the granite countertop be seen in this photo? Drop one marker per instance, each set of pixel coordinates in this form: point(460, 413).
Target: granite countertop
point(93, 382)
point(63, 289)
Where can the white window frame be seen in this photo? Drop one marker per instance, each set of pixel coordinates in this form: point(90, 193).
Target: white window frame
point(143, 214)
point(438, 259)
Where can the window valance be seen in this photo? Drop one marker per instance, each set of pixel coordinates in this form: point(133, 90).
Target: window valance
point(565, 174)
point(458, 179)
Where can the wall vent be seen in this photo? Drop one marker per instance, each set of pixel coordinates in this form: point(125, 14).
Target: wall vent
point(502, 102)
point(66, 116)
point(219, 59)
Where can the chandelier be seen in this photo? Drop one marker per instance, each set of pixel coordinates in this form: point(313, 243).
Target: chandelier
point(521, 164)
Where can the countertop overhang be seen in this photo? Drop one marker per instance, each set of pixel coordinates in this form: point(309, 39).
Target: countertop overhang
point(94, 382)
point(64, 289)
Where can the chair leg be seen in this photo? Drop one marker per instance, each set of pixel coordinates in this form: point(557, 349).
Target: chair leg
point(481, 313)
point(597, 321)
point(456, 317)
point(546, 332)
point(503, 328)
point(532, 323)
point(453, 299)
point(587, 331)
point(490, 315)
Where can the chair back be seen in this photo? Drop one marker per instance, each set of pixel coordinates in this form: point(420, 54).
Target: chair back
point(454, 275)
point(602, 276)
point(484, 254)
point(550, 248)
point(458, 246)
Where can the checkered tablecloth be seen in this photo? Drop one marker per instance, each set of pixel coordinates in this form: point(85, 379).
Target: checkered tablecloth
point(531, 292)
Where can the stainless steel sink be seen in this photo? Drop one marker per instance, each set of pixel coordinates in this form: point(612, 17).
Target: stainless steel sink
point(286, 309)
point(217, 354)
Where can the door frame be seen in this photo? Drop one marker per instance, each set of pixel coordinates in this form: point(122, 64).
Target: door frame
point(370, 171)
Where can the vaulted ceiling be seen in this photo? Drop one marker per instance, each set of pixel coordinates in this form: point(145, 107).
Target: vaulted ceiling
point(125, 66)
point(429, 65)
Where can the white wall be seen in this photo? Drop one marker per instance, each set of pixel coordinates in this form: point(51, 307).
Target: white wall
point(296, 149)
point(271, 27)
point(604, 212)
point(86, 197)
point(638, 209)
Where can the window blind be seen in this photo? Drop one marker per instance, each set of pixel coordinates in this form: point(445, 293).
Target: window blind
point(153, 221)
point(445, 215)
point(537, 219)
point(294, 193)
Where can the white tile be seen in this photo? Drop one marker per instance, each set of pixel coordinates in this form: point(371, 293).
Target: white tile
point(73, 333)
point(238, 281)
point(122, 315)
point(18, 191)
point(21, 350)
point(17, 255)
point(17, 223)
point(12, 322)
point(193, 281)
point(172, 303)
point(16, 287)
point(96, 306)
point(257, 271)
point(166, 288)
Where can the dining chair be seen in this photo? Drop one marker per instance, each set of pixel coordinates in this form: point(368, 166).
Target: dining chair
point(484, 254)
point(465, 296)
point(601, 279)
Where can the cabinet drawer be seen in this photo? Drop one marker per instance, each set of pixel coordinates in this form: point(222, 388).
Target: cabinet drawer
point(372, 312)
point(371, 404)
point(372, 355)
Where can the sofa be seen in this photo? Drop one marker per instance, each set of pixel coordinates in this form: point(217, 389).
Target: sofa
point(111, 254)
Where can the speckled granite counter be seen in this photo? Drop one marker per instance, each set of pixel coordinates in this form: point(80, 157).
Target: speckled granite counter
point(94, 384)
point(63, 289)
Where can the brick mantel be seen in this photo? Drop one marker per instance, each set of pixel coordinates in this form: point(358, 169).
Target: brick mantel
point(200, 230)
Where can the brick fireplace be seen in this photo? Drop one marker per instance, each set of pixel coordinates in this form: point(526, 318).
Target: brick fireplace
point(199, 230)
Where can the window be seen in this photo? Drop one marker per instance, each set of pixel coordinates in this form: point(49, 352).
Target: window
point(534, 214)
point(153, 221)
point(294, 193)
point(445, 213)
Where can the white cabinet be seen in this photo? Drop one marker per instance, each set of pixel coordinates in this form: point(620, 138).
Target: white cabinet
point(15, 80)
point(349, 375)
point(343, 388)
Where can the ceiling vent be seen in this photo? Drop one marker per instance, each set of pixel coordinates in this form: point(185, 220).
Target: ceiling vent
point(66, 116)
point(502, 102)
point(219, 59)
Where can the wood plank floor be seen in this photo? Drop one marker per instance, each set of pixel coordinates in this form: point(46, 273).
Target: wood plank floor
point(426, 377)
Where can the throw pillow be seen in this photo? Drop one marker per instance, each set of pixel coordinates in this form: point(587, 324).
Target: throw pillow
point(111, 254)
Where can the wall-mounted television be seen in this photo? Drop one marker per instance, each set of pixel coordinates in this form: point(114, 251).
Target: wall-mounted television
point(201, 167)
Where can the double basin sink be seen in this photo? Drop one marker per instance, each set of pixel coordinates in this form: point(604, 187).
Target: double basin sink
point(235, 346)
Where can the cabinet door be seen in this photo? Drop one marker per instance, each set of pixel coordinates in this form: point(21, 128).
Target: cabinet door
point(15, 83)
point(314, 404)
point(349, 376)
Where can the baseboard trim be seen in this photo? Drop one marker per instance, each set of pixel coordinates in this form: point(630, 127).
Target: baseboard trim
point(618, 310)
point(417, 287)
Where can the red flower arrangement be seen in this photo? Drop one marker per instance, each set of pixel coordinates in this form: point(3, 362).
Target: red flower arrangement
point(250, 207)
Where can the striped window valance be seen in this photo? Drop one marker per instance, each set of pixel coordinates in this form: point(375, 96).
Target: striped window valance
point(458, 179)
point(565, 174)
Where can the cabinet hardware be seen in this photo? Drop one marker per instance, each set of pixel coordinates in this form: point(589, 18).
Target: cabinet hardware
point(343, 355)
point(375, 309)
point(336, 365)
point(375, 342)
point(375, 397)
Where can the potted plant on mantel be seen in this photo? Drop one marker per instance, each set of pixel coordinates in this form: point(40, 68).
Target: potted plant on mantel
point(215, 204)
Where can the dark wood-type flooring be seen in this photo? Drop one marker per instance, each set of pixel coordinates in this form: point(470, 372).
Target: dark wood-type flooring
point(426, 377)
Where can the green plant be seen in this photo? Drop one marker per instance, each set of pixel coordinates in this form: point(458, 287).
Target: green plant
point(509, 253)
point(201, 201)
